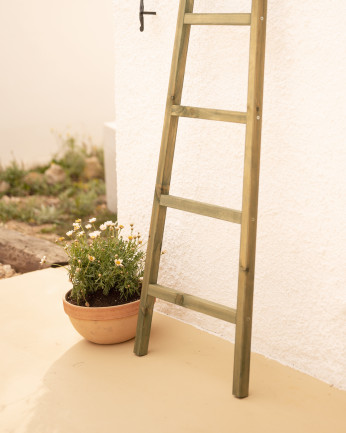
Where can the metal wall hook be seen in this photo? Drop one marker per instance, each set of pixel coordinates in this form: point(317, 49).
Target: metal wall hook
point(142, 13)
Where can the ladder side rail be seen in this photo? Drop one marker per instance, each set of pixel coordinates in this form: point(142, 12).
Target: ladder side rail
point(164, 173)
point(250, 200)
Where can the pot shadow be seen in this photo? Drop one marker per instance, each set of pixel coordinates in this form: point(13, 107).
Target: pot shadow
point(78, 391)
point(107, 388)
point(91, 387)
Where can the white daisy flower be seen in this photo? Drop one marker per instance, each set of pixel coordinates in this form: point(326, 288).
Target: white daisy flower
point(95, 234)
point(91, 258)
point(103, 227)
point(43, 260)
point(76, 226)
point(88, 226)
point(70, 233)
point(80, 233)
point(118, 262)
point(109, 223)
point(92, 220)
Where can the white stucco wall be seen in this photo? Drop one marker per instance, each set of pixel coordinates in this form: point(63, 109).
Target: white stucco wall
point(300, 297)
point(57, 71)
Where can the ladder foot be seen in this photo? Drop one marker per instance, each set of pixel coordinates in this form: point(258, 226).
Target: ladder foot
point(239, 397)
point(145, 315)
point(138, 352)
point(240, 390)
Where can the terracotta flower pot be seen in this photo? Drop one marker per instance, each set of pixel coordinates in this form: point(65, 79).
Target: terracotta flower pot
point(104, 325)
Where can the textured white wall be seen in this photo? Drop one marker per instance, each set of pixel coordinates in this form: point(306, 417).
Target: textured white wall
point(57, 71)
point(300, 297)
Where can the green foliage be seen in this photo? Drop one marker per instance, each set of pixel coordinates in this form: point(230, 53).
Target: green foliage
point(98, 152)
point(96, 185)
point(40, 187)
point(16, 211)
point(50, 229)
point(81, 199)
point(13, 175)
point(47, 214)
point(103, 260)
point(72, 155)
point(76, 197)
point(40, 168)
point(73, 158)
point(83, 203)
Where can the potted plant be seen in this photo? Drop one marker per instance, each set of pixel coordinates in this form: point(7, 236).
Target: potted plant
point(106, 270)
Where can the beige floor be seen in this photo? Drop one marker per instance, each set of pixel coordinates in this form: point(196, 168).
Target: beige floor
point(53, 381)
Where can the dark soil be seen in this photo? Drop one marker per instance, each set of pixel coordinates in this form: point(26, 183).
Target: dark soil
point(98, 299)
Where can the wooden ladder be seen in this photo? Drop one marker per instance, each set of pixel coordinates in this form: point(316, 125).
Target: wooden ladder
point(247, 217)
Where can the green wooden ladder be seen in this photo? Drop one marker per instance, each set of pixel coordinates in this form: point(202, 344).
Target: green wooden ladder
point(247, 217)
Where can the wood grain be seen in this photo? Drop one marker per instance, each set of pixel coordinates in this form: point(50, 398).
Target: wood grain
point(247, 253)
point(218, 19)
point(193, 303)
point(213, 211)
point(209, 114)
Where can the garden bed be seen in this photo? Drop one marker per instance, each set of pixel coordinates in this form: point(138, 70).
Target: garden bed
point(44, 200)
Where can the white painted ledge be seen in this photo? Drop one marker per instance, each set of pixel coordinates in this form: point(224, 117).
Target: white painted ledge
point(110, 166)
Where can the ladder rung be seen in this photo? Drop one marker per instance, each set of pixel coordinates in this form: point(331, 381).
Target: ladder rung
point(209, 114)
point(218, 19)
point(210, 210)
point(193, 302)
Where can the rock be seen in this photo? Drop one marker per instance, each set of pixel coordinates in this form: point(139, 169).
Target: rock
point(25, 252)
point(51, 201)
point(33, 178)
point(6, 199)
point(4, 186)
point(55, 174)
point(6, 271)
point(92, 169)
